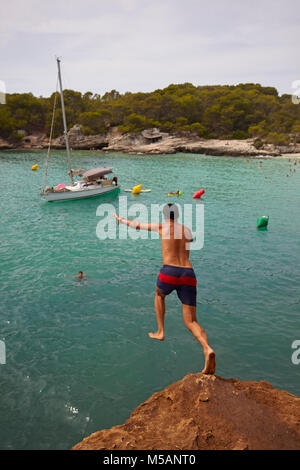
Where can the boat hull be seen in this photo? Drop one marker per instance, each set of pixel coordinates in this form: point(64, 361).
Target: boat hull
point(79, 194)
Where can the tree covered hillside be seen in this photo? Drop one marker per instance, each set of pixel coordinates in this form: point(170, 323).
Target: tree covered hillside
point(222, 111)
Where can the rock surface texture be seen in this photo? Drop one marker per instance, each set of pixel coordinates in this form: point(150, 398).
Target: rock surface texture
point(203, 412)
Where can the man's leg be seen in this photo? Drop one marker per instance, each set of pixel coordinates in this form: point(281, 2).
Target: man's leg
point(160, 309)
point(190, 320)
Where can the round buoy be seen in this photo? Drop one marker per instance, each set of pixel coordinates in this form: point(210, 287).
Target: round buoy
point(34, 167)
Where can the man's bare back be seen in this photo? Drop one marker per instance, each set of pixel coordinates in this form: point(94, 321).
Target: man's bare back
point(175, 240)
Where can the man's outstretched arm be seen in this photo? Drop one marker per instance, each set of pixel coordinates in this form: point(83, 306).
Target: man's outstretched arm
point(137, 225)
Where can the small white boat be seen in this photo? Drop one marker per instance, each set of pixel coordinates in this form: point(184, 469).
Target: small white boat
point(94, 182)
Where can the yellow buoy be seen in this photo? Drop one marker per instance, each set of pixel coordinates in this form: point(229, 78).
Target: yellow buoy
point(137, 189)
point(34, 167)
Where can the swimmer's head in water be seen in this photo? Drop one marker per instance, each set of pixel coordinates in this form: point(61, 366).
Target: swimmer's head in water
point(171, 212)
point(80, 274)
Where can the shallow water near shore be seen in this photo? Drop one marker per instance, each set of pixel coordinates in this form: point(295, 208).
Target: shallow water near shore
point(78, 355)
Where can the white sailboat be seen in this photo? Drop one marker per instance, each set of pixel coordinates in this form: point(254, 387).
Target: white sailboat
point(94, 182)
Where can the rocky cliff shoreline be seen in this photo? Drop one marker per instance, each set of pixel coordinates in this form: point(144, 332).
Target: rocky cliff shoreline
point(203, 412)
point(151, 142)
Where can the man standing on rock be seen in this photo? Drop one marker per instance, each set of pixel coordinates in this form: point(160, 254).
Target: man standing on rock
point(176, 274)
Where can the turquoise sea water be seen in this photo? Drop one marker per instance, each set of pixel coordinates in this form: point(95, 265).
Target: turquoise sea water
point(78, 355)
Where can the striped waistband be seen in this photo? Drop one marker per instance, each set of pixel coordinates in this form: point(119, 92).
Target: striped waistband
point(178, 280)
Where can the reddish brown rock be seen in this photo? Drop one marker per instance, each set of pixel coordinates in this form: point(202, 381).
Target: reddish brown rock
point(207, 412)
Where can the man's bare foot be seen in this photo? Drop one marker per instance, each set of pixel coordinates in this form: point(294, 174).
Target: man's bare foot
point(159, 336)
point(210, 362)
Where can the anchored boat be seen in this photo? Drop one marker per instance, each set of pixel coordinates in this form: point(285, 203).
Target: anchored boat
point(93, 183)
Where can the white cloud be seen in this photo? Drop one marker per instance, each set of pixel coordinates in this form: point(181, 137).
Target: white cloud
point(142, 45)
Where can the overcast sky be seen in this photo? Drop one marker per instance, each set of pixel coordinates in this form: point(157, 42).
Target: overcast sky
point(142, 45)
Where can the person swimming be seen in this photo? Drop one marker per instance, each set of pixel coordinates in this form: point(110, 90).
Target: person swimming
point(80, 278)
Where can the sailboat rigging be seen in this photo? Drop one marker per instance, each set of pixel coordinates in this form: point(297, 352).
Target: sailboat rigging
point(94, 182)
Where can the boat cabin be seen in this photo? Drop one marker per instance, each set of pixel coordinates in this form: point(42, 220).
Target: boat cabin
point(98, 176)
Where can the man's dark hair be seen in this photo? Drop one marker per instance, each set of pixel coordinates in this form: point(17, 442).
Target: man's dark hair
point(171, 211)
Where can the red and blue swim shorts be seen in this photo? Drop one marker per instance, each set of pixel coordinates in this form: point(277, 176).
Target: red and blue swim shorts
point(181, 279)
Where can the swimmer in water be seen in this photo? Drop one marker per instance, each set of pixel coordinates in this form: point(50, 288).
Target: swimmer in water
point(80, 277)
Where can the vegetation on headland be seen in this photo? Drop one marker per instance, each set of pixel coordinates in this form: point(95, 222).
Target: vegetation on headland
point(219, 112)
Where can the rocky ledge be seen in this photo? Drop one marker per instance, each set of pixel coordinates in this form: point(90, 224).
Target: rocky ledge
point(152, 141)
point(176, 144)
point(203, 412)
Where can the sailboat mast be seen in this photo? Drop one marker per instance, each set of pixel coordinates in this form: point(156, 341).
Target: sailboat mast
point(64, 121)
